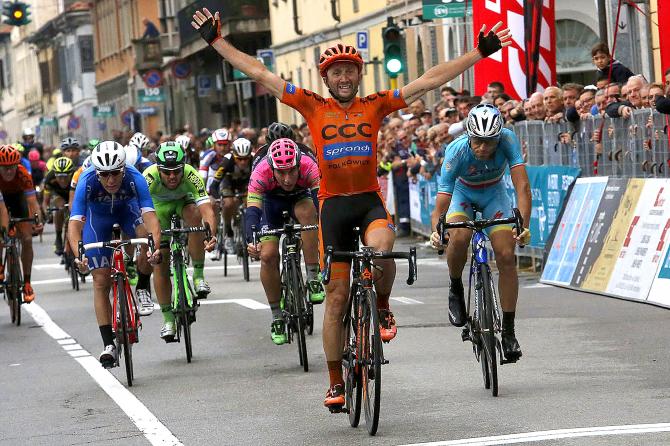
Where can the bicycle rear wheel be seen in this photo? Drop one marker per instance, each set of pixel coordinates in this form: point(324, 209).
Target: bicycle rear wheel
point(487, 329)
point(371, 373)
point(122, 335)
point(353, 389)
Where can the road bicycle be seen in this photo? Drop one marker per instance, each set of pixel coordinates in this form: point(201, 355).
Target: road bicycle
point(239, 236)
point(184, 300)
point(68, 255)
point(363, 352)
point(296, 307)
point(126, 321)
point(13, 283)
point(483, 326)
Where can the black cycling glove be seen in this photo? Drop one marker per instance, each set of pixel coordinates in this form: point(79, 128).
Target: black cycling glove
point(210, 30)
point(488, 44)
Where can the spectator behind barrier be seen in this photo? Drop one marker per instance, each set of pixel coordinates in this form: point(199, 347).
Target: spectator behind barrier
point(537, 106)
point(571, 92)
point(553, 104)
point(630, 98)
point(602, 59)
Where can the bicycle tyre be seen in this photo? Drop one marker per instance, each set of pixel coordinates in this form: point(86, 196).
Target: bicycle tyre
point(488, 334)
point(183, 326)
point(372, 370)
point(297, 291)
point(245, 253)
point(353, 389)
point(74, 274)
point(122, 329)
point(16, 286)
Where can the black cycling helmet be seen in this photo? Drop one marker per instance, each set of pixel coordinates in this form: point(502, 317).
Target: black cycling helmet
point(69, 143)
point(278, 130)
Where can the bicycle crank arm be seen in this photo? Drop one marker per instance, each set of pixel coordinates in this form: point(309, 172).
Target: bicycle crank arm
point(337, 409)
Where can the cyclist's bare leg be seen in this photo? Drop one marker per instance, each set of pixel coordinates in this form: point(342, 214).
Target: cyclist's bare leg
point(230, 205)
point(337, 297)
point(305, 212)
point(59, 214)
point(457, 250)
point(192, 217)
point(102, 284)
point(382, 239)
point(503, 244)
point(270, 277)
point(162, 284)
point(25, 232)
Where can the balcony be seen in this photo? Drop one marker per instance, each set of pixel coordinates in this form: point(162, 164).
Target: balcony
point(230, 11)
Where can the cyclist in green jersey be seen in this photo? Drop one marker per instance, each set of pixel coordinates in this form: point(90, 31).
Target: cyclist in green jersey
point(176, 187)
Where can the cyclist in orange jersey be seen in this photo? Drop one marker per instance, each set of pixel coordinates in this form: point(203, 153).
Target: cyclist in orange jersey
point(344, 128)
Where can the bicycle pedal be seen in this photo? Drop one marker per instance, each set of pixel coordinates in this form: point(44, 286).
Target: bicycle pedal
point(385, 361)
point(338, 409)
point(200, 296)
point(170, 339)
point(465, 335)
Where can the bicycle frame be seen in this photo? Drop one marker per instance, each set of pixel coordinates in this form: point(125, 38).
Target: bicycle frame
point(118, 271)
point(479, 259)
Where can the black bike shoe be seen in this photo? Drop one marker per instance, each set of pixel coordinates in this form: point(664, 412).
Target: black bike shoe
point(510, 346)
point(457, 314)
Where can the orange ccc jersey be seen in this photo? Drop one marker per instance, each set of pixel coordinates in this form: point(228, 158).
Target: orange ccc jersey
point(345, 140)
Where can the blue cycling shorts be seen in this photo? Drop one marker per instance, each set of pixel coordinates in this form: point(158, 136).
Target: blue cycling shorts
point(491, 202)
point(98, 228)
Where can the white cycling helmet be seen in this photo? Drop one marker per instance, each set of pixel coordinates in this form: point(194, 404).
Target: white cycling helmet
point(484, 121)
point(139, 140)
point(241, 148)
point(28, 131)
point(87, 163)
point(133, 155)
point(184, 141)
point(221, 135)
point(108, 155)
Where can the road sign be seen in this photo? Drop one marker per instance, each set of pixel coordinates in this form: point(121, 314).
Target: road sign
point(52, 122)
point(181, 69)
point(204, 85)
point(146, 111)
point(127, 117)
point(267, 56)
point(103, 111)
point(442, 9)
point(363, 44)
point(151, 95)
point(3, 134)
point(153, 78)
point(102, 126)
point(73, 123)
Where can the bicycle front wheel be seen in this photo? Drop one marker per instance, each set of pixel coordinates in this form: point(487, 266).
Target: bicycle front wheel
point(487, 328)
point(371, 374)
point(14, 287)
point(184, 310)
point(122, 329)
point(353, 390)
point(299, 312)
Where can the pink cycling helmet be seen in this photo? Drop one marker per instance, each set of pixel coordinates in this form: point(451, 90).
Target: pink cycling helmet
point(283, 154)
point(33, 155)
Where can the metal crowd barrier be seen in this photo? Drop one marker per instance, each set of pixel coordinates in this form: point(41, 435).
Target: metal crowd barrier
point(632, 147)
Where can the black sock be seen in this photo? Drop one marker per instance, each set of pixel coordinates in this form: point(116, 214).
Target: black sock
point(508, 321)
point(107, 335)
point(26, 278)
point(143, 282)
point(59, 237)
point(229, 231)
point(456, 282)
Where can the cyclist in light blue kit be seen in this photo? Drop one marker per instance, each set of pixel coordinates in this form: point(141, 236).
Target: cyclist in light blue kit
point(471, 177)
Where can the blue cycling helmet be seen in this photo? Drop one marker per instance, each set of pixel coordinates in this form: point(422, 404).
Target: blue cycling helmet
point(484, 121)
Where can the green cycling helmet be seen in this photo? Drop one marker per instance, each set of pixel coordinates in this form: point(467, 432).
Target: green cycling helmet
point(209, 143)
point(92, 143)
point(170, 155)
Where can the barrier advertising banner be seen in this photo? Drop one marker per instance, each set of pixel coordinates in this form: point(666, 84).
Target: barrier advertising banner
point(549, 185)
point(573, 230)
point(533, 50)
point(660, 288)
point(638, 260)
point(600, 272)
point(597, 235)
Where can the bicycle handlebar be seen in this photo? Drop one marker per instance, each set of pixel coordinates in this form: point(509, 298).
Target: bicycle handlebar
point(117, 244)
point(477, 225)
point(206, 229)
point(34, 219)
point(288, 228)
point(368, 254)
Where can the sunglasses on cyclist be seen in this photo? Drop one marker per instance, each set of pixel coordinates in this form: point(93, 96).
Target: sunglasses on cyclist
point(167, 172)
point(108, 173)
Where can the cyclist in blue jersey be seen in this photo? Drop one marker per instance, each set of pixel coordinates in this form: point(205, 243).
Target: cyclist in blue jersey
point(471, 178)
point(110, 193)
point(134, 158)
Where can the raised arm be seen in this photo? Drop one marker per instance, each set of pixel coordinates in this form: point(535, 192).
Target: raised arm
point(209, 27)
point(487, 44)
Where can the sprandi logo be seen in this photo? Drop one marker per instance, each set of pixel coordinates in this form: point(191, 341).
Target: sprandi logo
point(353, 148)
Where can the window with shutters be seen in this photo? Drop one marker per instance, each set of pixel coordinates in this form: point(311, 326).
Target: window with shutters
point(86, 54)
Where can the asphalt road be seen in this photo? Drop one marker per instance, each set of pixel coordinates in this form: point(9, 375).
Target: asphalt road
point(589, 362)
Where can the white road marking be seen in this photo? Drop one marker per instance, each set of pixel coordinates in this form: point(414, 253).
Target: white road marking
point(407, 300)
point(14, 365)
point(538, 285)
point(146, 422)
point(66, 341)
point(49, 266)
point(47, 281)
point(249, 303)
point(527, 437)
point(75, 346)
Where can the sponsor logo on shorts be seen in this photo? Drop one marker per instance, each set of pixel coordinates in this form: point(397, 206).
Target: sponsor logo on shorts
point(396, 93)
point(290, 88)
point(344, 149)
point(392, 227)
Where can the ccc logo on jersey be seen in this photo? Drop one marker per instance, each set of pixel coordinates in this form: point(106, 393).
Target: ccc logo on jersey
point(347, 131)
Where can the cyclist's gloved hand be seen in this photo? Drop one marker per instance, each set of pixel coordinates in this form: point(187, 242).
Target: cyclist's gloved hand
point(208, 25)
point(254, 251)
point(210, 244)
point(436, 240)
point(492, 41)
point(523, 238)
point(155, 258)
point(38, 228)
point(82, 265)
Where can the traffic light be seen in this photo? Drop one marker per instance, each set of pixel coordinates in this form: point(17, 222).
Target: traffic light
point(16, 13)
point(394, 48)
